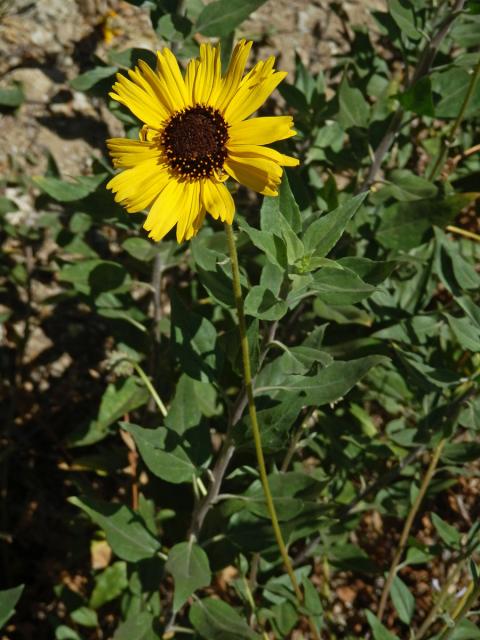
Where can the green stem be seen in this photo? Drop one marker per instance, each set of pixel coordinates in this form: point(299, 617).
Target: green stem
point(408, 525)
point(448, 140)
point(151, 388)
point(247, 373)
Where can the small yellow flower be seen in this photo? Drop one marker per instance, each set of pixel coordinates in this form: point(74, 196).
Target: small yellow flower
point(195, 136)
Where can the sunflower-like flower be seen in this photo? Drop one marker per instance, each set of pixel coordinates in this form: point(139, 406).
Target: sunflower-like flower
point(195, 135)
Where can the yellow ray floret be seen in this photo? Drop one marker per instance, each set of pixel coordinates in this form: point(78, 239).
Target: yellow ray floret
point(196, 134)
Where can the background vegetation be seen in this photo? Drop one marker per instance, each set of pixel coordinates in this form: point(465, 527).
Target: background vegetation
point(131, 505)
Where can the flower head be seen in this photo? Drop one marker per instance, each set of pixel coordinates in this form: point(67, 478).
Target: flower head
point(196, 134)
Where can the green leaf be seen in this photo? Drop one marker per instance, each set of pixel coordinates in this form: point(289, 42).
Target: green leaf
point(217, 620)
point(354, 110)
point(467, 334)
point(340, 286)
point(221, 17)
point(262, 303)
point(90, 78)
point(62, 632)
point(324, 233)
point(403, 13)
point(407, 225)
point(284, 488)
point(194, 338)
point(403, 600)
point(11, 96)
point(162, 452)
point(449, 534)
point(140, 626)
point(419, 98)
point(275, 423)
point(406, 186)
point(379, 631)
point(126, 533)
point(189, 566)
point(330, 383)
point(312, 602)
point(452, 86)
point(464, 630)
point(270, 243)
point(140, 248)
point(109, 584)
point(284, 204)
point(192, 400)
point(128, 58)
point(85, 617)
point(370, 271)
point(8, 600)
point(94, 277)
point(70, 191)
point(118, 399)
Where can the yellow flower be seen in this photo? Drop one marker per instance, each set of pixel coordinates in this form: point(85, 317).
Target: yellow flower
point(195, 136)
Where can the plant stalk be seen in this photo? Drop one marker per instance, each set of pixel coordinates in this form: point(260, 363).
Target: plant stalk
point(248, 382)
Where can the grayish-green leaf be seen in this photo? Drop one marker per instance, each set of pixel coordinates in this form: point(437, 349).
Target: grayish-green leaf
point(70, 191)
point(449, 534)
point(109, 584)
point(264, 305)
point(8, 600)
point(379, 631)
point(11, 96)
point(403, 600)
point(330, 383)
point(354, 109)
point(125, 530)
point(90, 78)
point(117, 400)
point(221, 17)
point(162, 452)
point(217, 620)
point(137, 627)
point(323, 234)
point(189, 566)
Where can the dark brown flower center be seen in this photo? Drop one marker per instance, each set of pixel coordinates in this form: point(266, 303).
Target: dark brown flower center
point(194, 141)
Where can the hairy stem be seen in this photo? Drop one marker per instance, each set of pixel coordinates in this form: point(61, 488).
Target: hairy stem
point(248, 382)
point(437, 452)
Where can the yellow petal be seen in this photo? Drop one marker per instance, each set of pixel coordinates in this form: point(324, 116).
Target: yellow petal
point(128, 153)
point(166, 209)
point(144, 94)
point(169, 71)
point(190, 210)
point(258, 174)
point(158, 87)
point(250, 96)
point(190, 75)
point(234, 73)
point(137, 187)
point(261, 130)
point(218, 201)
point(250, 152)
point(207, 78)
